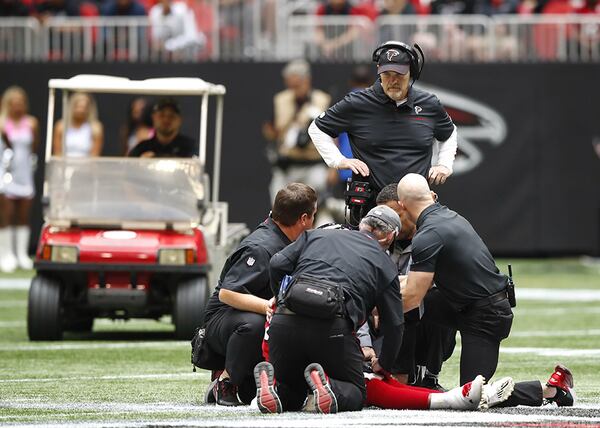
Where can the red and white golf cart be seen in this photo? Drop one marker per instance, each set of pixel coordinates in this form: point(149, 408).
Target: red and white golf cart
point(129, 237)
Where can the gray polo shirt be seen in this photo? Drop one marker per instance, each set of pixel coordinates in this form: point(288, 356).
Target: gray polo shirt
point(392, 140)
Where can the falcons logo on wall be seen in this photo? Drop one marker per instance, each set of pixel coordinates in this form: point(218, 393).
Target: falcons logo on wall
point(477, 124)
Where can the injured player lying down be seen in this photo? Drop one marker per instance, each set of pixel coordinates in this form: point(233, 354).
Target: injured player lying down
point(387, 393)
point(383, 392)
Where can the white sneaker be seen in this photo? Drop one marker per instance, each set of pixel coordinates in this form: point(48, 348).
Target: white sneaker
point(466, 397)
point(8, 262)
point(25, 262)
point(496, 392)
point(22, 242)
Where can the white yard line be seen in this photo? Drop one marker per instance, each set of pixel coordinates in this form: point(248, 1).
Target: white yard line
point(14, 283)
point(246, 417)
point(555, 333)
point(12, 303)
point(190, 375)
point(110, 345)
point(12, 324)
point(557, 311)
point(560, 295)
point(551, 352)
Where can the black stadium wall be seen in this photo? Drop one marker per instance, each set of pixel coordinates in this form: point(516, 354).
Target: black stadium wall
point(528, 175)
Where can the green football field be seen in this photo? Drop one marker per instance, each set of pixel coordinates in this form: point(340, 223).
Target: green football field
point(134, 373)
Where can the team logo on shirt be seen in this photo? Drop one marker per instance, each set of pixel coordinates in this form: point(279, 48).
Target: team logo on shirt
point(418, 109)
point(391, 54)
point(250, 261)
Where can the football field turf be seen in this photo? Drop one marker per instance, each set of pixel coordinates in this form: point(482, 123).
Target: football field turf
point(134, 373)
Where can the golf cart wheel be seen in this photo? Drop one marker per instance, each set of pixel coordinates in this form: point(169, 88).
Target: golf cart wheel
point(44, 312)
point(190, 300)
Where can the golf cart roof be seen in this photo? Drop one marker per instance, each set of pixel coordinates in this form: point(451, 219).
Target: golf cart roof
point(115, 85)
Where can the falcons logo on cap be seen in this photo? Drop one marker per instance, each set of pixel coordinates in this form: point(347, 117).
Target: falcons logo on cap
point(392, 53)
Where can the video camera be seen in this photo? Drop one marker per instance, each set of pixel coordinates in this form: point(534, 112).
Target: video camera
point(358, 196)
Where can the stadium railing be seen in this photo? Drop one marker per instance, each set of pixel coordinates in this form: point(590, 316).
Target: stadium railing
point(451, 38)
point(18, 39)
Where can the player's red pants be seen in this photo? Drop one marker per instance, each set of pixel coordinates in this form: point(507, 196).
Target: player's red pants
point(391, 394)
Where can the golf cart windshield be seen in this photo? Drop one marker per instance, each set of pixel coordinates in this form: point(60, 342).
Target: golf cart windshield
point(149, 193)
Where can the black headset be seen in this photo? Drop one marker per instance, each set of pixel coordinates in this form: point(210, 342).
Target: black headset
point(415, 55)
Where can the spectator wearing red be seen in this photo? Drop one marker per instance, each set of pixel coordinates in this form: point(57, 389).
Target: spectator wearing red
point(590, 7)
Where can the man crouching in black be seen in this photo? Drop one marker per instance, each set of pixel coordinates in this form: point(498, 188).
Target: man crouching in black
point(235, 314)
point(338, 277)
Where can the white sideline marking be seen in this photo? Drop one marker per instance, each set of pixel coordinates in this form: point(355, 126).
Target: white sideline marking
point(246, 417)
point(556, 311)
point(13, 303)
point(72, 346)
point(551, 352)
point(14, 283)
point(560, 295)
point(543, 294)
point(12, 324)
point(555, 333)
point(114, 377)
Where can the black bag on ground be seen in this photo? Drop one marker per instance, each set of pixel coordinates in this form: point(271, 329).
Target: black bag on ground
point(315, 297)
point(202, 356)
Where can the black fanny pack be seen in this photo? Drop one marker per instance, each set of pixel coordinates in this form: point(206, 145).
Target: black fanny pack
point(202, 356)
point(314, 297)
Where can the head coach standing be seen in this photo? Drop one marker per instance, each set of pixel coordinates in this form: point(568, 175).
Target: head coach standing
point(392, 126)
point(339, 276)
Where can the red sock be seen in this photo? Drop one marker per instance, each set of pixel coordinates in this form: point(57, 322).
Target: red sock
point(396, 395)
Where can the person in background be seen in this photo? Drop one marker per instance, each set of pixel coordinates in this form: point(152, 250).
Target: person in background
point(174, 26)
point(20, 138)
point(138, 126)
point(294, 108)
point(167, 140)
point(84, 135)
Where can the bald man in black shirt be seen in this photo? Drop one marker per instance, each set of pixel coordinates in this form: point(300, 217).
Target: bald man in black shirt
point(471, 294)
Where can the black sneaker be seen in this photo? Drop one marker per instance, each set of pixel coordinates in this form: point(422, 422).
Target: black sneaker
point(209, 395)
point(430, 382)
point(226, 393)
point(266, 397)
point(324, 398)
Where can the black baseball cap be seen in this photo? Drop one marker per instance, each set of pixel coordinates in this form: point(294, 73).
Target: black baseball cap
point(393, 59)
point(164, 103)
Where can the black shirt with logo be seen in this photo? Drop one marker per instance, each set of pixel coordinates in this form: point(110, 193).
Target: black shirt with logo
point(180, 147)
point(246, 271)
point(447, 245)
point(367, 274)
point(392, 140)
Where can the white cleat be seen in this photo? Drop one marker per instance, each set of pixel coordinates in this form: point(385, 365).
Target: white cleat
point(466, 397)
point(496, 392)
